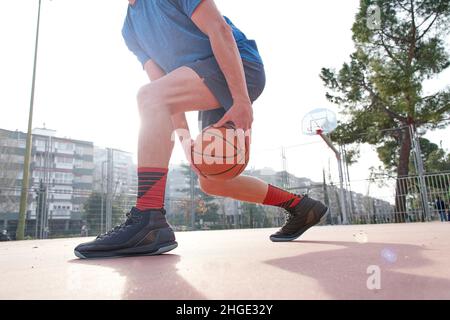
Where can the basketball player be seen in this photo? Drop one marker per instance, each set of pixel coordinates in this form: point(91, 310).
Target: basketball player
point(196, 60)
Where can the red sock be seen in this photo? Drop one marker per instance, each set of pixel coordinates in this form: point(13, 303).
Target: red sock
point(281, 198)
point(151, 188)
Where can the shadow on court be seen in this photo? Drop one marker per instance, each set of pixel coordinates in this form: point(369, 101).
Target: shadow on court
point(148, 277)
point(342, 273)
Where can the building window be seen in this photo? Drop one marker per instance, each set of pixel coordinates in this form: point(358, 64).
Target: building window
point(64, 160)
point(65, 146)
point(40, 143)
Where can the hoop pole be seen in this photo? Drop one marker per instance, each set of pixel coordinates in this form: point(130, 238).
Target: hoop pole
point(341, 175)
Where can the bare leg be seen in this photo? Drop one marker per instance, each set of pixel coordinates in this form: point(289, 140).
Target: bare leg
point(242, 188)
point(179, 91)
point(161, 104)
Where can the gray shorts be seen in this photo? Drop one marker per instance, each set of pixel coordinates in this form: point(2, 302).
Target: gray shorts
point(214, 79)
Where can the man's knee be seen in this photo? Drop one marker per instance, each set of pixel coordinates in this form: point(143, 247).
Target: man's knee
point(149, 99)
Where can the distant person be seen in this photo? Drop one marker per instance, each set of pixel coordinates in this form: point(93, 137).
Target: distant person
point(448, 211)
point(84, 230)
point(448, 203)
point(4, 236)
point(440, 207)
point(196, 60)
point(46, 232)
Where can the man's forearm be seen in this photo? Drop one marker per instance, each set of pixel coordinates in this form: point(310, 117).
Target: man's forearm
point(230, 62)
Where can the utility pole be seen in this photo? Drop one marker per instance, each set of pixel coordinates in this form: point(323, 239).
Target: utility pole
point(47, 169)
point(20, 232)
point(109, 188)
point(236, 214)
point(40, 198)
point(102, 197)
point(285, 176)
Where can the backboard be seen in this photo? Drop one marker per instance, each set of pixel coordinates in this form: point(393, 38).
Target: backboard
point(319, 121)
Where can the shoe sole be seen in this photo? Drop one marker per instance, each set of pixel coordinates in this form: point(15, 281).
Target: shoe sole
point(324, 214)
point(122, 253)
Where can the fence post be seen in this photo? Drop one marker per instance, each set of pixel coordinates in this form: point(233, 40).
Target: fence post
point(341, 176)
point(420, 170)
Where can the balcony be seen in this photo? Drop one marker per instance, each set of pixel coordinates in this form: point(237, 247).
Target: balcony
point(64, 151)
point(61, 214)
point(61, 196)
point(65, 166)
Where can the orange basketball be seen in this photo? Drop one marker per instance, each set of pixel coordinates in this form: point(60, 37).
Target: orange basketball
point(221, 153)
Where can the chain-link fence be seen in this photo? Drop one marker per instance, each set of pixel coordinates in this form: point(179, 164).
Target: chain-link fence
point(388, 199)
point(55, 213)
point(421, 198)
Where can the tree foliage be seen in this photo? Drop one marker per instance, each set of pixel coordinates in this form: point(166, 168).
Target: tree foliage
point(93, 209)
point(435, 158)
point(206, 207)
point(381, 89)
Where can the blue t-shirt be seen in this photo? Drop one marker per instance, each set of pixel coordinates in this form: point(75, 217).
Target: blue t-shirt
point(162, 30)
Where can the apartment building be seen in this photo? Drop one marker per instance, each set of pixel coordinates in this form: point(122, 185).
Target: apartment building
point(61, 168)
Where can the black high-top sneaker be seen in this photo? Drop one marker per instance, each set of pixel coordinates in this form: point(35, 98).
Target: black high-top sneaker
point(143, 233)
point(307, 213)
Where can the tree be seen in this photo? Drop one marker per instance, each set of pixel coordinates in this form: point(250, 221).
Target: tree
point(92, 212)
point(435, 158)
point(253, 215)
point(381, 89)
point(206, 207)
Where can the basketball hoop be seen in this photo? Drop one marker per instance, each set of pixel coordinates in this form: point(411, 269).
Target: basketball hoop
point(322, 122)
point(319, 121)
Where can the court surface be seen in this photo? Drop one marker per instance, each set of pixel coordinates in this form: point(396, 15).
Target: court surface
point(329, 262)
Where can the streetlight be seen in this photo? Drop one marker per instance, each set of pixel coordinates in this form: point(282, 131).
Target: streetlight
point(20, 233)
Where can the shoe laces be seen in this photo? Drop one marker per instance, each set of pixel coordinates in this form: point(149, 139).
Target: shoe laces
point(119, 228)
point(290, 215)
point(288, 219)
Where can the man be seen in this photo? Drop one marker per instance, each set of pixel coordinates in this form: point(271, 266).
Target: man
point(440, 207)
point(196, 60)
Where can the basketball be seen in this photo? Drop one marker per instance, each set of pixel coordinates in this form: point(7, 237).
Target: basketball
point(221, 153)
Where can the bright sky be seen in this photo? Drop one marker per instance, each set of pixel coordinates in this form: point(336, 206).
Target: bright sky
point(87, 79)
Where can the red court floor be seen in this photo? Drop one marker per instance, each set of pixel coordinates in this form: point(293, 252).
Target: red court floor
point(408, 261)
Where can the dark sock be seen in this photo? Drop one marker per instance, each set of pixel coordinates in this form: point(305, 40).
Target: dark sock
point(281, 198)
point(151, 188)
